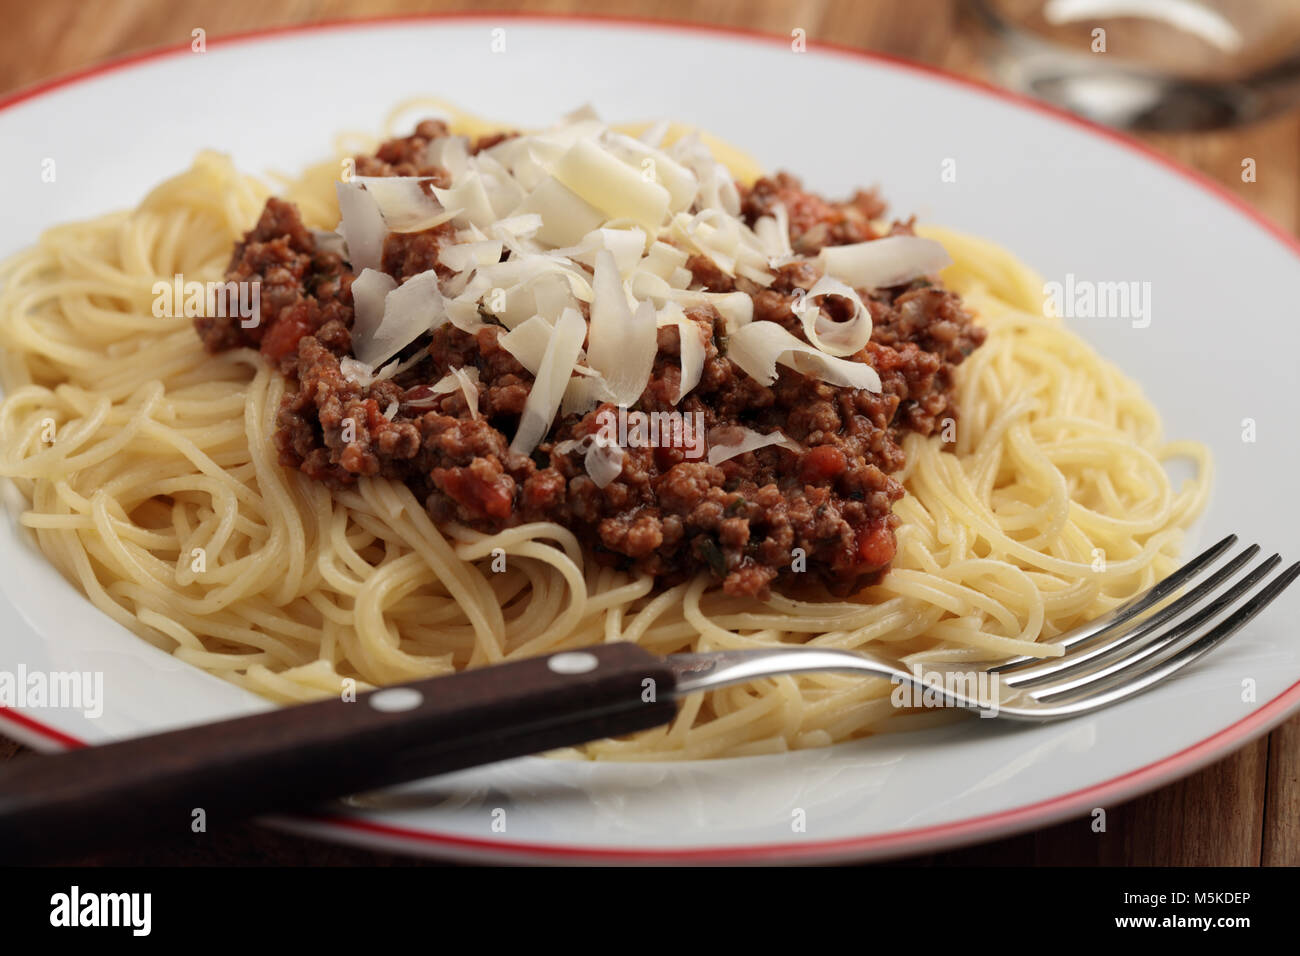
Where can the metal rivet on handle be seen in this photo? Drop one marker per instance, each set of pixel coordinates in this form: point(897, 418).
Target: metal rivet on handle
point(396, 699)
point(573, 662)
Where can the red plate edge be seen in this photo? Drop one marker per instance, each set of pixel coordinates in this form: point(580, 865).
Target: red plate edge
point(974, 829)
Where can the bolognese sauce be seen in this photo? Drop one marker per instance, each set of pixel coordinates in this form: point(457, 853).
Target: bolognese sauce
point(820, 504)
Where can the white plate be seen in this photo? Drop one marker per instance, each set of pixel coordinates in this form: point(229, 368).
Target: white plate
point(1221, 348)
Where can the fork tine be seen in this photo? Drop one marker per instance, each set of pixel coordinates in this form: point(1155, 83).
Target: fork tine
point(1139, 667)
point(1106, 674)
point(1154, 595)
point(1125, 632)
point(1123, 688)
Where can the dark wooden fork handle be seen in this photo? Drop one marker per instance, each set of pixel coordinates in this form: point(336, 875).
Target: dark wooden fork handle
point(150, 787)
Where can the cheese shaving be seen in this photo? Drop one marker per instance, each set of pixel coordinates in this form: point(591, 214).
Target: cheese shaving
point(750, 440)
point(408, 311)
point(834, 338)
point(612, 186)
point(464, 379)
point(584, 218)
point(602, 456)
point(566, 216)
point(464, 256)
point(553, 375)
point(361, 225)
point(369, 290)
point(403, 203)
point(469, 197)
point(691, 349)
point(527, 342)
point(757, 348)
point(885, 262)
point(621, 342)
point(604, 460)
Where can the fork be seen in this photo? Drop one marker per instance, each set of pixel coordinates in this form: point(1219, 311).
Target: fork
point(149, 787)
point(1111, 658)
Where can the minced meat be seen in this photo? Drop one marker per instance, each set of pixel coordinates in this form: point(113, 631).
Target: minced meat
point(758, 518)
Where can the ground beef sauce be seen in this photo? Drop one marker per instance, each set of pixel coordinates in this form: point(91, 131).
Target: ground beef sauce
point(740, 521)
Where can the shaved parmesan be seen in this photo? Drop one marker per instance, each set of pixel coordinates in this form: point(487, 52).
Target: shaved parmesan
point(361, 225)
point(470, 200)
point(449, 152)
point(602, 456)
point(604, 460)
point(396, 368)
point(527, 342)
point(463, 313)
point(612, 186)
point(524, 285)
point(626, 245)
point(365, 376)
point(749, 440)
point(834, 338)
point(621, 343)
point(691, 349)
point(757, 348)
point(464, 379)
point(528, 171)
point(881, 263)
point(736, 308)
point(403, 203)
point(546, 294)
point(717, 188)
point(409, 310)
point(658, 166)
point(584, 393)
point(580, 213)
point(681, 278)
point(520, 269)
point(519, 227)
point(727, 241)
point(358, 372)
point(464, 256)
point(774, 233)
point(557, 364)
point(582, 123)
point(551, 296)
point(503, 190)
point(662, 259)
point(369, 290)
point(566, 216)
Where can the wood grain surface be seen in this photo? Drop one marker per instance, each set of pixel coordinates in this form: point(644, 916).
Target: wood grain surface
point(1244, 810)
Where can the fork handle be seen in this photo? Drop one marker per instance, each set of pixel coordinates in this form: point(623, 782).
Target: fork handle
point(151, 787)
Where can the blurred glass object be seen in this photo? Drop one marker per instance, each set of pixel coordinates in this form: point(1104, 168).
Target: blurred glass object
point(1148, 64)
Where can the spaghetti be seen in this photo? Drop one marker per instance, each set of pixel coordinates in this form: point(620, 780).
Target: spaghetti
point(153, 485)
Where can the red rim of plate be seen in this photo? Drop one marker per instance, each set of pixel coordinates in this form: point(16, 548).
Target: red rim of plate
point(973, 829)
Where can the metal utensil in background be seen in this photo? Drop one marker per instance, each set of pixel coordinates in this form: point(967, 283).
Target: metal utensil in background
point(1147, 64)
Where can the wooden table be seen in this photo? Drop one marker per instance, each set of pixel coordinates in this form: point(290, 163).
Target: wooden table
point(1244, 810)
